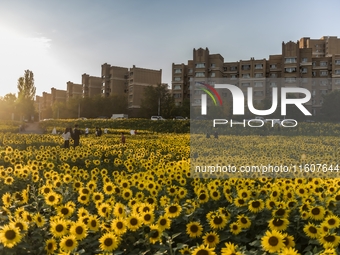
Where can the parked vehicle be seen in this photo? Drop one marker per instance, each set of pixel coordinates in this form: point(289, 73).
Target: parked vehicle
point(157, 118)
point(119, 116)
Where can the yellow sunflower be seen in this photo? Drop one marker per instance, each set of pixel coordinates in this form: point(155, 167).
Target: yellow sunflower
point(51, 246)
point(134, 222)
point(59, 228)
point(243, 221)
point(278, 224)
point(164, 222)
point(78, 230)
point(203, 250)
point(93, 223)
point(173, 211)
point(194, 229)
point(119, 226)
point(108, 242)
point(211, 239)
point(10, 236)
point(155, 234)
point(329, 240)
point(317, 213)
point(68, 243)
point(272, 241)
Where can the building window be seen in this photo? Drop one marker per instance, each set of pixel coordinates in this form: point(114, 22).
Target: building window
point(197, 101)
point(337, 81)
point(337, 71)
point(245, 67)
point(337, 61)
point(200, 65)
point(212, 65)
point(313, 92)
point(258, 66)
point(304, 70)
point(199, 74)
point(304, 80)
point(233, 68)
point(290, 70)
point(273, 84)
point(290, 60)
point(234, 76)
point(323, 73)
point(304, 60)
point(178, 78)
point(212, 75)
point(258, 84)
point(323, 63)
point(313, 73)
point(190, 71)
point(176, 87)
point(290, 79)
point(323, 83)
point(177, 95)
point(258, 93)
point(245, 84)
point(225, 69)
point(178, 70)
point(272, 66)
point(258, 75)
point(314, 63)
point(273, 75)
point(198, 92)
point(246, 75)
point(323, 92)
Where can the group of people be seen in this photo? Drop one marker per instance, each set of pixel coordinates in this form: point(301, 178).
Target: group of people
point(75, 135)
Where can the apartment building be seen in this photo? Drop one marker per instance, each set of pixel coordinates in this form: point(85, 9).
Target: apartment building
point(130, 81)
point(74, 90)
point(310, 63)
point(92, 85)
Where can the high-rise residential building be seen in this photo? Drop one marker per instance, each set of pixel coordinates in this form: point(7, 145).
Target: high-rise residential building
point(74, 90)
point(129, 81)
point(92, 85)
point(297, 64)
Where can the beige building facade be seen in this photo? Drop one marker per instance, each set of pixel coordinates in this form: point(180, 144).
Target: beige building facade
point(310, 63)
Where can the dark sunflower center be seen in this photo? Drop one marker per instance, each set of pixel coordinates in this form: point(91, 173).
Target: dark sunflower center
point(235, 227)
point(79, 230)
point(256, 204)
point(51, 198)
point(211, 238)
point(59, 228)
point(331, 222)
point(154, 234)
point(120, 210)
point(119, 225)
point(93, 223)
point(280, 212)
point(315, 211)
point(202, 252)
point(127, 194)
point(10, 234)
point(244, 220)
point(273, 241)
point(193, 228)
point(162, 222)
point(147, 217)
point(215, 194)
point(69, 243)
point(133, 222)
point(50, 246)
point(218, 220)
point(202, 196)
point(97, 197)
point(64, 211)
point(329, 239)
point(173, 209)
point(108, 242)
point(109, 188)
point(19, 225)
point(277, 222)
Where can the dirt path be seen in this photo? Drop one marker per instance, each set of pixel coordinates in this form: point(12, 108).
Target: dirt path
point(32, 128)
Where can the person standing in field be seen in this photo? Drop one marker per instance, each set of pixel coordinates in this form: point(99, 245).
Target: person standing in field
point(76, 136)
point(66, 136)
point(123, 138)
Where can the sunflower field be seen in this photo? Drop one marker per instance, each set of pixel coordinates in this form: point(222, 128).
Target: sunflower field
point(141, 197)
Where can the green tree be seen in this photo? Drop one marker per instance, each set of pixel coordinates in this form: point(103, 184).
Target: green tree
point(7, 106)
point(330, 107)
point(26, 94)
point(158, 99)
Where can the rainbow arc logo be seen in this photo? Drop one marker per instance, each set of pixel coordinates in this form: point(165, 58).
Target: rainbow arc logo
point(210, 90)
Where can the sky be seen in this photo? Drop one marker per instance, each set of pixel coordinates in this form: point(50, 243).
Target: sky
point(59, 40)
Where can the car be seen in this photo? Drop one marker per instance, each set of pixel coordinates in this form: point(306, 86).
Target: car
point(179, 118)
point(157, 118)
point(82, 118)
point(102, 117)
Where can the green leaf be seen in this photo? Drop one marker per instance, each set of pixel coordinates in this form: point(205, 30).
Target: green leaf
point(175, 235)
